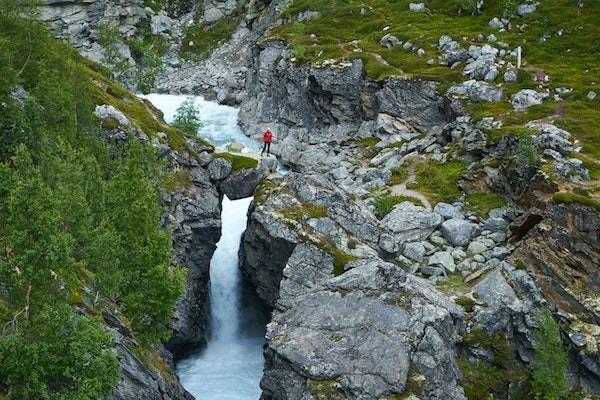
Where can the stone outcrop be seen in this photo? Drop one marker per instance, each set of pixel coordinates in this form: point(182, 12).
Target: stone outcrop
point(138, 381)
point(372, 332)
point(77, 21)
point(562, 253)
point(195, 217)
point(277, 223)
point(315, 110)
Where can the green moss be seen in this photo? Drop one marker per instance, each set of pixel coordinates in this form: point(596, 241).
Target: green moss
point(481, 379)
point(482, 203)
point(521, 266)
point(384, 204)
point(496, 343)
point(325, 390)
point(177, 180)
point(340, 260)
point(110, 123)
point(200, 41)
point(466, 302)
point(453, 285)
point(305, 210)
point(152, 360)
point(439, 181)
point(139, 112)
point(239, 162)
point(570, 198)
point(75, 297)
point(368, 142)
point(263, 191)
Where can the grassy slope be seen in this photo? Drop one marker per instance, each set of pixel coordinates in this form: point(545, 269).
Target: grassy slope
point(570, 55)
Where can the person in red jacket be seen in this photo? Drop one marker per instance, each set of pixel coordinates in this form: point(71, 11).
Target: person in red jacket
point(267, 140)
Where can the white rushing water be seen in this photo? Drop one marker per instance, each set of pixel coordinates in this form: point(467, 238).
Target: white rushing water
point(231, 365)
point(219, 123)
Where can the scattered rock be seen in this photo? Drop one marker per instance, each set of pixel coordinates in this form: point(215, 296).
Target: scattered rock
point(457, 231)
point(477, 91)
point(524, 10)
point(526, 98)
point(448, 211)
point(105, 112)
point(551, 137)
point(414, 251)
point(161, 23)
point(390, 41)
point(417, 7)
point(407, 223)
point(496, 23)
point(444, 260)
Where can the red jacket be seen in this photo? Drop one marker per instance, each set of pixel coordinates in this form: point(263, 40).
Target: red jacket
point(268, 136)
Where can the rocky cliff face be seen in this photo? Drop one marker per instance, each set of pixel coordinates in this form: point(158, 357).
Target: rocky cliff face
point(562, 253)
point(77, 21)
point(372, 332)
point(498, 270)
point(318, 113)
point(138, 381)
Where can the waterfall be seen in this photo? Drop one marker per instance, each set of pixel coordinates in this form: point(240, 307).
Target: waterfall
point(231, 365)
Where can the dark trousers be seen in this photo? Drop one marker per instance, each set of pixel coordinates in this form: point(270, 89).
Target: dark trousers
point(267, 147)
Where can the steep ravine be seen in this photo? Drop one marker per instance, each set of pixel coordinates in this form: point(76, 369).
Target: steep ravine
point(411, 303)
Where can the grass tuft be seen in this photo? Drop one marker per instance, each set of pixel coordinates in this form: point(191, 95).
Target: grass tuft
point(439, 181)
point(482, 203)
point(239, 162)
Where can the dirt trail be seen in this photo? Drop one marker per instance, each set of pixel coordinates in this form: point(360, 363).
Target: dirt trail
point(401, 190)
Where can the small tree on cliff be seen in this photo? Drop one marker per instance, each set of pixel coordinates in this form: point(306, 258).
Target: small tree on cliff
point(549, 382)
point(187, 117)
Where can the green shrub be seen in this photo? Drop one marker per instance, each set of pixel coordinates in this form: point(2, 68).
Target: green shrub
point(305, 210)
point(439, 181)
point(200, 41)
point(368, 142)
point(176, 180)
point(549, 369)
point(510, 7)
point(399, 175)
point(58, 355)
point(527, 153)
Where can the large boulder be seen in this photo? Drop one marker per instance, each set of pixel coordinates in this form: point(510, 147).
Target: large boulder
point(476, 91)
point(458, 231)
point(554, 138)
point(396, 335)
point(407, 223)
point(219, 168)
point(526, 98)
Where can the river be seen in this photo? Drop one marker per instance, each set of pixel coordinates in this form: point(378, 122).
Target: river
point(230, 366)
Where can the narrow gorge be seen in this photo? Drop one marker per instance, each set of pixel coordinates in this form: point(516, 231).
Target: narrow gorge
point(425, 227)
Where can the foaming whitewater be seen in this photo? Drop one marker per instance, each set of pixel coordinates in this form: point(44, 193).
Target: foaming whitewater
point(231, 365)
point(219, 122)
